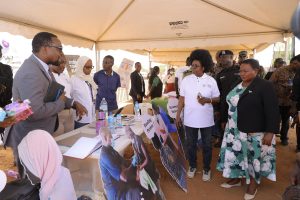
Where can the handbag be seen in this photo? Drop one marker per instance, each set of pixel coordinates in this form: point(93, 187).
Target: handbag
point(20, 189)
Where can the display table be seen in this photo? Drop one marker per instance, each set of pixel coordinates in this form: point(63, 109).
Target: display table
point(86, 173)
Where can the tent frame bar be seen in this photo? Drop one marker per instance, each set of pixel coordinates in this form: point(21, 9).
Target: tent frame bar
point(193, 37)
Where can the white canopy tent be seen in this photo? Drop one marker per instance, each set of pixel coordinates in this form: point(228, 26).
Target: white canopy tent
point(167, 29)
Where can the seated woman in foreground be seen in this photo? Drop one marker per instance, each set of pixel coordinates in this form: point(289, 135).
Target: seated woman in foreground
point(42, 161)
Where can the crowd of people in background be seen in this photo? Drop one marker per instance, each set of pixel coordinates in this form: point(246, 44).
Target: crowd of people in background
point(235, 102)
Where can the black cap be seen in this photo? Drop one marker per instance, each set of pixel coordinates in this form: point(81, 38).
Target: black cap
point(1, 47)
point(225, 52)
point(243, 53)
point(279, 60)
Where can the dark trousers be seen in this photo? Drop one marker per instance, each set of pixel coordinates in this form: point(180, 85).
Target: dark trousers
point(284, 116)
point(192, 139)
point(217, 130)
point(134, 99)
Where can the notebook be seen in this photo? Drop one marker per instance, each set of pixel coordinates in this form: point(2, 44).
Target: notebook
point(83, 147)
point(54, 91)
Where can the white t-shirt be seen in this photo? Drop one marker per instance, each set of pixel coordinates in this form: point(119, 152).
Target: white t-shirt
point(82, 93)
point(64, 80)
point(195, 114)
point(179, 74)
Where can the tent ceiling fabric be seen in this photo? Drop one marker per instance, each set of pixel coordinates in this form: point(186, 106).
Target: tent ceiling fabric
point(152, 24)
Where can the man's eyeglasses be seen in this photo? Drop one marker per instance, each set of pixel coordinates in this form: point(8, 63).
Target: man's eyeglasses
point(60, 48)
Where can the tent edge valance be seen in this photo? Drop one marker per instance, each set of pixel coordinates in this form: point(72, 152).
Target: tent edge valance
point(28, 30)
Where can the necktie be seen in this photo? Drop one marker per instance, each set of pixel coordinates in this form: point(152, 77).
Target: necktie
point(51, 75)
point(56, 121)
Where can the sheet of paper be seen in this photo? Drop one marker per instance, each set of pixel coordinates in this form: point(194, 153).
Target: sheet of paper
point(83, 147)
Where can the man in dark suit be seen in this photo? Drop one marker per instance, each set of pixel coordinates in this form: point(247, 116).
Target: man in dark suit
point(137, 90)
point(31, 82)
point(6, 81)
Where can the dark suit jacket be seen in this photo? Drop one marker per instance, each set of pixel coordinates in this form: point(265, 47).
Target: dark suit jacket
point(137, 83)
point(31, 82)
point(227, 79)
point(6, 79)
point(296, 90)
point(258, 109)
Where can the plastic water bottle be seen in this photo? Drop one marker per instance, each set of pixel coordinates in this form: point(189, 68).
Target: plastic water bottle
point(111, 126)
point(111, 121)
point(103, 109)
point(137, 113)
point(2, 115)
point(119, 120)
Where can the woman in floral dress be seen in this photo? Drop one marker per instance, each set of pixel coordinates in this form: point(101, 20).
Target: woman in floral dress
point(248, 147)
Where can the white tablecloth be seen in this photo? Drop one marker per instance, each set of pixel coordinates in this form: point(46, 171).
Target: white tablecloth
point(86, 173)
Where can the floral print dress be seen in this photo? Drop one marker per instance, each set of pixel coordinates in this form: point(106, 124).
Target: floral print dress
point(242, 155)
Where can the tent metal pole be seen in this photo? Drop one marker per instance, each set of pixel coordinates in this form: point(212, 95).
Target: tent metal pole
point(97, 55)
point(254, 53)
point(286, 50)
point(149, 58)
point(293, 46)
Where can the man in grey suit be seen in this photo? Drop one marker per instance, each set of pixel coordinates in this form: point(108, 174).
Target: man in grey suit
point(31, 82)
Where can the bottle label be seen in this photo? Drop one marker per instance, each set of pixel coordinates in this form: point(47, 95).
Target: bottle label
point(101, 115)
point(99, 125)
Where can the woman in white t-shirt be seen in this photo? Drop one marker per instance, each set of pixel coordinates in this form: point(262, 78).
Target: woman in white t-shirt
point(82, 90)
point(198, 93)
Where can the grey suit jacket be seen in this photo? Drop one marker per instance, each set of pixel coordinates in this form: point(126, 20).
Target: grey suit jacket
point(31, 82)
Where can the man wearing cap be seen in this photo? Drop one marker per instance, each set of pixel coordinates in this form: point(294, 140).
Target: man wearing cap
point(217, 68)
point(6, 82)
point(278, 63)
point(226, 80)
point(243, 55)
point(282, 80)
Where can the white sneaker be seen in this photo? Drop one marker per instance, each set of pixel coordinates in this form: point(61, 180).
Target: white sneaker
point(191, 172)
point(206, 175)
